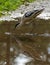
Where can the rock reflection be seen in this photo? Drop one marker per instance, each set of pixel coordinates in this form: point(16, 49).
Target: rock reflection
point(49, 60)
point(48, 48)
point(48, 52)
point(29, 34)
point(45, 34)
point(22, 59)
point(7, 33)
point(11, 49)
point(43, 56)
point(3, 63)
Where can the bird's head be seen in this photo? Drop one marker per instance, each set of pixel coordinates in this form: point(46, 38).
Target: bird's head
point(33, 13)
point(28, 16)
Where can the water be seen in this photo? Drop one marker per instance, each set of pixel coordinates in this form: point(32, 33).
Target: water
point(28, 44)
point(22, 59)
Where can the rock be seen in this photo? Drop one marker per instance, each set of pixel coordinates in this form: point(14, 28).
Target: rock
point(38, 4)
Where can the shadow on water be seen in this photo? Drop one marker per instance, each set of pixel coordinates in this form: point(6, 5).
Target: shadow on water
point(30, 41)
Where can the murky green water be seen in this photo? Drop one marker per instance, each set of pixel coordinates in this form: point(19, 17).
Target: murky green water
point(31, 39)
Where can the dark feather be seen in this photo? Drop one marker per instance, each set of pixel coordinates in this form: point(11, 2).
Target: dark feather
point(17, 25)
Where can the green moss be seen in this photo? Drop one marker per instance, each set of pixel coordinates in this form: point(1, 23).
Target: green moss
point(11, 4)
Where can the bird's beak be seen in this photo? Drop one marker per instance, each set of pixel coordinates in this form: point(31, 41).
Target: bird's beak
point(37, 12)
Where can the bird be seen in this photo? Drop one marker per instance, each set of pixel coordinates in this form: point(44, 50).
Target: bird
point(27, 16)
point(34, 13)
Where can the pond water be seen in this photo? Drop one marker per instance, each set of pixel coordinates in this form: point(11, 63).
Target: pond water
point(26, 45)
